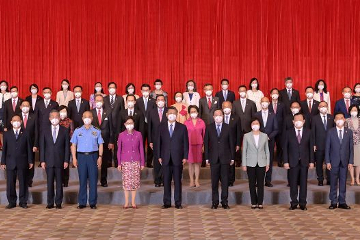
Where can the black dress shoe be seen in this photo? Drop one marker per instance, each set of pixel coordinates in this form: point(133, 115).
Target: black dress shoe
point(93, 207)
point(268, 184)
point(280, 164)
point(320, 183)
point(149, 166)
point(66, 184)
point(10, 206)
point(81, 206)
point(231, 184)
point(58, 206)
point(288, 185)
point(157, 185)
point(165, 206)
point(344, 206)
point(293, 207)
point(49, 206)
point(332, 206)
point(214, 206)
point(30, 184)
point(104, 185)
point(304, 208)
point(225, 206)
point(328, 182)
point(25, 206)
point(178, 207)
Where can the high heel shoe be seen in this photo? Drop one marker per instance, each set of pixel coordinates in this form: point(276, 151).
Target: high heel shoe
point(134, 207)
point(125, 207)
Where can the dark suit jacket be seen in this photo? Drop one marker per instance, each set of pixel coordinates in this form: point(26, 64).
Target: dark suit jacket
point(205, 113)
point(115, 111)
point(153, 124)
point(283, 97)
point(176, 147)
point(76, 116)
point(42, 113)
point(106, 125)
point(16, 153)
point(293, 151)
point(9, 112)
point(139, 124)
point(29, 99)
point(55, 154)
point(219, 148)
point(305, 109)
point(245, 117)
point(279, 114)
point(319, 132)
point(288, 123)
point(340, 106)
point(31, 129)
point(272, 127)
point(336, 153)
point(235, 128)
point(230, 97)
point(140, 106)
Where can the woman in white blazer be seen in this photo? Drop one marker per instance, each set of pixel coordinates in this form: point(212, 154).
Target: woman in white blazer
point(255, 161)
point(64, 96)
point(322, 94)
point(191, 96)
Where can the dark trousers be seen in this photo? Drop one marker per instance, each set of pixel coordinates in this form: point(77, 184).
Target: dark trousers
point(22, 175)
point(319, 159)
point(106, 162)
point(87, 168)
point(338, 175)
point(219, 172)
point(271, 150)
point(31, 173)
point(172, 172)
point(54, 173)
point(232, 174)
point(279, 152)
point(158, 170)
point(256, 178)
point(149, 151)
point(114, 153)
point(298, 173)
point(66, 175)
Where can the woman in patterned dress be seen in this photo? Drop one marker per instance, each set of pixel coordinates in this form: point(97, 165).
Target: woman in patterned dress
point(131, 160)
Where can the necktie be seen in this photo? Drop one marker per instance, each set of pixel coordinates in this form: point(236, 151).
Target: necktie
point(160, 114)
point(14, 105)
point(145, 103)
point(99, 116)
point(299, 136)
point(171, 130)
point(46, 103)
point(209, 103)
point(325, 122)
point(25, 120)
point(289, 94)
point(16, 134)
point(225, 95)
point(340, 136)
point(112, 101)
point(309, 106)
point(78, 105)
point(347, 105)
point(275, 108)
point(54, 134)
point(218, 130)
point(243, 105)
point(226, 119)
point(130, 113)
point(264, 119)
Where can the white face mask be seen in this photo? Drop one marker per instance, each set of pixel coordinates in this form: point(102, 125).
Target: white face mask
point(289, 85)
point(357, 90)
point(16, 124)
point(347, 95)
point(275, 96)
point(225, 86)
point(354, 114)
point(78, 94)
point(265, 105)
point(295, 110)
point(227, 111)
point(63, 115)
point(340, 123)
point(55, 121)
point(299, 124)
point(87, 121)
point(130, 90)
point(178, 99)
point(98, 105)
point(255, 127)
point(14, 94)
point(34, 91)
point(218, 119)
point(145, 93)
point(130, 104)
point(157, 86)
point(3, 88)
point(190, 88)
point(323, 110)
point(129, 127)
point(112, 91)
point(208, 93)
point(160, 104)
point(254, 85)
point(47, 96)
point(193, 115)
point(309, 95)
point(65, 86)
point(321, 87)
point(25, 109)
point(171, 117)
point(98, 89)
point(242, 94)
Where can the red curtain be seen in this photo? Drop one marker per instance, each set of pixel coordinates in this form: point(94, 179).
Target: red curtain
point(44, 41)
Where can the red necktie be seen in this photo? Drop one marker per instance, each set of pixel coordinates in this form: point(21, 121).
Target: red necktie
point(160, 114)
point(14, 105)
point(275, 108)
point(25, 120)
point(209, 103)
point(99, 116)
point(310, 106)
point(347, 105)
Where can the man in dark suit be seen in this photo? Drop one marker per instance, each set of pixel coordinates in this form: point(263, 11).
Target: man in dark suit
point(17, 159)
point(309, 106)
point(34, 97)
point(219, 153)
point(208, 104)
point(11, 107)
point(173, 150)
point(245, 109)
point(235, 127)
point(342, 105)
point(288, 95)
point(144, 104)
point(43, 109)
point(155, 117)
point(115, 103)
point(139, 120)
point(339, 157)
point(225, 94)
point(320, 125)
point(268, 125)
point(29, 126)
point(277, 107)
point(54, 157)
point(298, 157)
point(77, 107)
point(102, 120)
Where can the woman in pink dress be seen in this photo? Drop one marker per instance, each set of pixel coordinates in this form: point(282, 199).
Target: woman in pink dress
point(196, 131)
point(130, 157)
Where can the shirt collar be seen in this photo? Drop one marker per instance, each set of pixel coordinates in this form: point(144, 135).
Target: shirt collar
point(297, 130)
point(172, 124)
point(338, 129)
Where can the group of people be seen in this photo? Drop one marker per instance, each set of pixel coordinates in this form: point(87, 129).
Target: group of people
point(132, 131)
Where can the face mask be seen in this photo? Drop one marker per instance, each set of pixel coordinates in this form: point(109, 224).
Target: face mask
point(255, 127)
point(112, 91)
point(157, 86)
point(47, 96)
point(254, 85)
point(63, 115)
point(98, 89)
point(347, 95)
point(208, 93)
point(310, 95)
point(340, 123)
point(299, 124)
point(227, 111)
point(321, 87)
point(242, 94)
point(265, 105)
point(78, 94)
point(323, 110)
point(87, 121)
point(289, 85)
point(190, 88)
point(14, 94)
point(54, 121)
point(130, 90)
point(357, 90)
point(178, 99)
point(225, 86)
point(129, 127)
point(171, 117)
point(65, 87)
point(130, 104)
point(25, 109)
point(16, 124)
point(98, 104)
point(218, 119)
point(275, 96)
point(193, 115)
point(354, 114)
point(3, 88)
point(145, 93)
point(34, 91)
point(160, 104)
point(295, 110)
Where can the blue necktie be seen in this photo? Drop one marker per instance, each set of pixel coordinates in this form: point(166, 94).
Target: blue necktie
point(340, 136)
point(171, 130)
point(324, 122)
point(218, 130)
point(54, 134)
point(146, 102)
point(16, 134)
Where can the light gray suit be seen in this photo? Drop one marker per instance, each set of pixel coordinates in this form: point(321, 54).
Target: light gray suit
point(253, 155)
